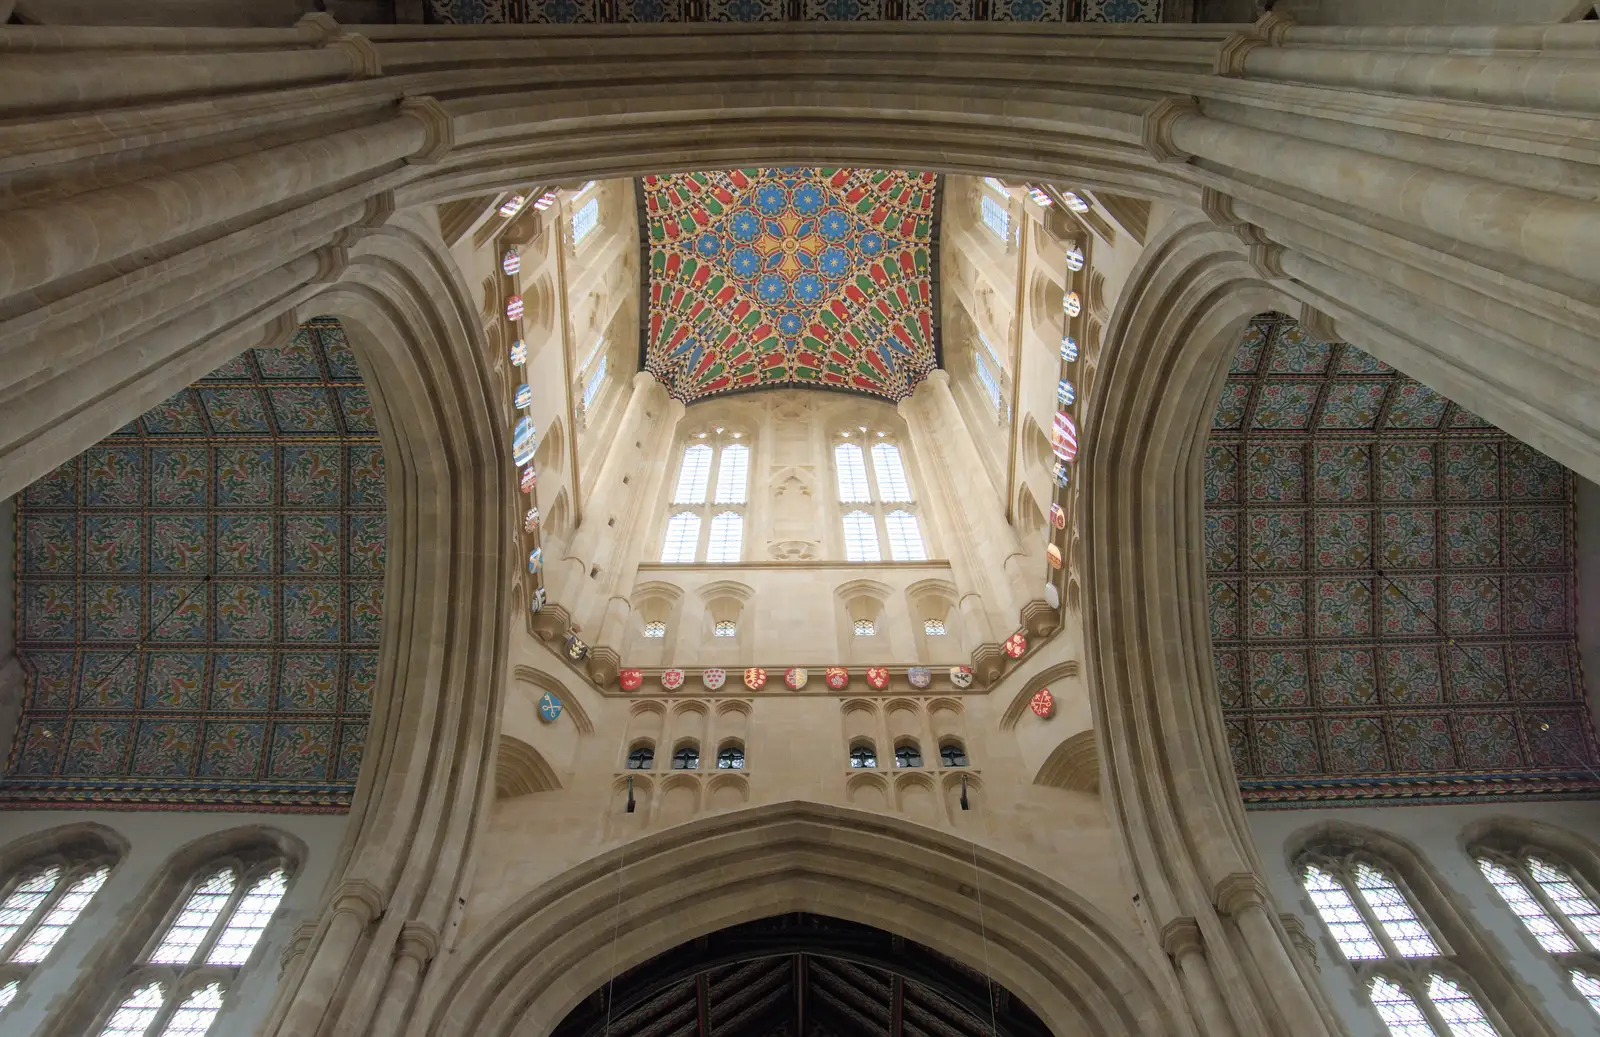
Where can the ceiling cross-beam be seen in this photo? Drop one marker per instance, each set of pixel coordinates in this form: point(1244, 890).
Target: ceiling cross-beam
point(702, 1004)
point(800, 995)
point(897, 1007)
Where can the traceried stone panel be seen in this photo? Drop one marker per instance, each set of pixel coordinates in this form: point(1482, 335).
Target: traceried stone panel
point(1391, 586)
point(201, 594)
point(791, 277)
point(478, 12)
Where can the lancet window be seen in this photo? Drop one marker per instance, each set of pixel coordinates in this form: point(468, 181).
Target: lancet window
point(879, 511)
point(585, 219)
point(711, 495)
point(41, 900)
point(1557, 908)
point(183, 978)
point(1403, 965)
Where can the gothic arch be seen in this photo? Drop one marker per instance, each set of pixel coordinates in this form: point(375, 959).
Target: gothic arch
point(1072, 966)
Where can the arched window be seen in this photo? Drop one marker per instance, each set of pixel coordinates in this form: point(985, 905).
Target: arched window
point(682, 539)
point(862, 754)
point(861, 538)
point(730, 757)
point(41, 901)
point(642, 757)
point(887, 484)
point(724, 514)
point(907, 754)
point(905, 537)
point(592, 387)
point(852, 474)
point(952, 754)
point(686, 757)
point(892, 484)
point(1404, 967)
point(987, 368)
point(585, 220)
point(1555, 906)
point(179, 986)
point(996, 216)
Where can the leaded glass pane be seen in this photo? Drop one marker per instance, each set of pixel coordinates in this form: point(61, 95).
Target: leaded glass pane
point(1410, 937)
point(1569, 899)
point(727, 538)
point(134, 1016)
point(933, 627)
point(861, 538)
point(866, 628)
point(891, 472)
point(188, 931)
point(693, 476)
point(1526, 906)
point(23, 901)
point(1459, 1009)
point(585, 220)
point(249, 921)
point(1398, 1009)
point(852, 472)
point(8, 990)
point(62, 914)
point(996, 217)
point(194, 1017)
point(681, 541)
point(989, 377)
point(592, 387)
point(1340, 914)
point(863, 756)
point(905, 537)
point(1588, 986)
point(733, 475)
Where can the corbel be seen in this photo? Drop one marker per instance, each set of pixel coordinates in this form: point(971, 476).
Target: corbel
point(1181, 938)
point(1156, 131)
point(1318, 324)
point(1266, 259)
point(418, 941)
point(439, 129)
point(360, 898)
point(1268, 31)
point(1237, 892)
point(321, 27)
point(1039, 619)
point(1300, 939)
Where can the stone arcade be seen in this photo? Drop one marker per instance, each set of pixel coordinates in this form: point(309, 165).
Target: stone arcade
point(799, 520)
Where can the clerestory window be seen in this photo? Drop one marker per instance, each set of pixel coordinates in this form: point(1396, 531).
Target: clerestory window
point(879, 511)
point(41, 902)
point(695, 507)
point(1557, 909)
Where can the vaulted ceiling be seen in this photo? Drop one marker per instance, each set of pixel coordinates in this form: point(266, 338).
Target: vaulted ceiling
point(200, 595)
point(801, 975)
point(790, 277)
point(479, 12)
point(1391, 587)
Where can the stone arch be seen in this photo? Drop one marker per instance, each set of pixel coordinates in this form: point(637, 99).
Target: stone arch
point(519, 770)
point(1036, 445)
point(1044, 302)
point(551, 457)
point(554, 685)
point(1074, 765)
point(1073, 967)
point(1019, 702)
point(77, 839)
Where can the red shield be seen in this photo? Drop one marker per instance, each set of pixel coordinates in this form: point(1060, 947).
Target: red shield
point(1043, 703)
point(836, 676)
point(1015, 645)
point(755, 678)
point(630, 679)
point(878, 677)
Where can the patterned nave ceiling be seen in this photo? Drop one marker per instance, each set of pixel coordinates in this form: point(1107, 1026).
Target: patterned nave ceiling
point(790, 277)
point(1391, 587)
point(200, 595)
point(482, 12)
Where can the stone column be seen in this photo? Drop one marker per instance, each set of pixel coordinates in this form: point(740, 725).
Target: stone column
point(634, 535)
point(417, 946)
point(1242, 897)
point(1180, 938)
point(353, 908)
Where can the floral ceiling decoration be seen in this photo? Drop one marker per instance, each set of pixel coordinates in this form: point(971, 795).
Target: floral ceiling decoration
point(790, 277)
point(1391, 587)
point(200, 594)
point(482, 12)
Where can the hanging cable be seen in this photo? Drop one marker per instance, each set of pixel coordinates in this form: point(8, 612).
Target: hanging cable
point(983, 935)
point(616, 933)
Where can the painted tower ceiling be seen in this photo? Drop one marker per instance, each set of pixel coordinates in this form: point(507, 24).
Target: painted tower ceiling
point(481, 12)
point(790, 277)
point(200, 595)
point(1391, 587)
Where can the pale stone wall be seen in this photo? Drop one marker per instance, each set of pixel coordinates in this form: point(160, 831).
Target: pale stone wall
point(153, 838)
point(1438, 834)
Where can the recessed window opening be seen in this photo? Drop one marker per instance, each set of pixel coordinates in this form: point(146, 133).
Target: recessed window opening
point(585, 220)
point(686, 757)
point(996, 217)
point(655, 628)
point(891, 472)
point(727, 538)
point(597, 380)
point(693, 475)
point(905, 538)
point(933, 627)
point(862, 754)
point(683, 537)
point(906, 754)
point(642, 757)
point(952, 754)
point(861, 538)
point(733, 474)
point(852, 474)
point(730, 757)
point(866, 628)
point(725, 628)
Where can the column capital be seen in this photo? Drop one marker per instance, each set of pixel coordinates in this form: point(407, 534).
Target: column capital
point(439, 131)
point(1299, 938)
point(418, 941)
point(299, 940)
point(1238, 892)
point(360, 898)
point(1159, 120)
point(1268, 31)
point(1181, 938)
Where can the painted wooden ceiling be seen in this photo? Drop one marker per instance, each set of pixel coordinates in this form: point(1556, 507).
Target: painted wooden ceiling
point(481, 12)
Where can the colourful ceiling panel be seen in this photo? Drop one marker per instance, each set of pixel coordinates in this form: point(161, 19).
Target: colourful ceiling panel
point(200, 595)
point(482, 12)
point(1391, 587)
point(790, 277)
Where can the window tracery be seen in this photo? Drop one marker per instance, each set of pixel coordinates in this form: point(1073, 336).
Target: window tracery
point(642, 757)
point(862, 754)
point(181, 983)
point(887, 483)
point(1556, 908)
point(39, 902)
point(1405, 968)
point(952, 754)
point(907, 754)
point(686, 757)
point(731, 756)
point(723, 514)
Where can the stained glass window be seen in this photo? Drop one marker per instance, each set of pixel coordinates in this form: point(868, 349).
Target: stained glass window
point(1398, 1009)
point(1339, 913)
point(585, 220)
point(1526, 906)
point(1074, 203)
point(694, 475)
point(852, 471)
point(995, 183)
point(730, 757)
point(188, 931)
point(137, 1011)
point(194, 1017)
point(863, 755)
point(59, 919)
point(996, 217)
point(1390, 907)
point(725, 628)
point(907, 755)
point(596, 382)
point(1459, 1009)
point(249, 920)
point(641, 757)
point(1568, 898)
point(655, 628)
point(682, 539)
point(891, 472)
point(733, 474)
point(24, 900)
point(861, 538)
point(866, 628)
point(905, 537)
point(686, 758)
point(1589, 986)
point(727, 538)
point(933, 627)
